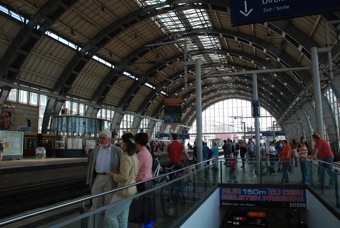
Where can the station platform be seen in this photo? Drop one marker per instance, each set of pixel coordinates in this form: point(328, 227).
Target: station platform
point(30, 171)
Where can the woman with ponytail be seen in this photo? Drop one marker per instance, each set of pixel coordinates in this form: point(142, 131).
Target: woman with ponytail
point(117, 216)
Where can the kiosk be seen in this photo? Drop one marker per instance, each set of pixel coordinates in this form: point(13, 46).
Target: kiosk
point(74, 132)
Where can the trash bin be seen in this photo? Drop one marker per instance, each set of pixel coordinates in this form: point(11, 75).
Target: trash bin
point(40, 152)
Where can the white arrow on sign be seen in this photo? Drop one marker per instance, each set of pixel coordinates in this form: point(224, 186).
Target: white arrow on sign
point(246, 13)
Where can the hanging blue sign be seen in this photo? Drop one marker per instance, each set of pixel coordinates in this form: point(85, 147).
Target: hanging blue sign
point(252, 11)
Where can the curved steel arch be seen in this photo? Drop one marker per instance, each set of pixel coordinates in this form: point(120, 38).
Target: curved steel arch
point(275, 86)
point(207, 105)
point(264, 93)
point(105, 35)
point(242, 38)
point(217, 92)
point(78, 62)
point(28, 36)
point(210, 100)
point(192, 118)
point(150, 97)
point(206, 4)
point(26, 39)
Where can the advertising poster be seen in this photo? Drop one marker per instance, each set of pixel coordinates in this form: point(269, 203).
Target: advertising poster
point(172, 110)
point(263, 197)
point(12, 144)
point(19, 117)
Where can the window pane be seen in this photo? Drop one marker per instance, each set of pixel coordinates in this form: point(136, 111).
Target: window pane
point(33, 99)
point(12, 95)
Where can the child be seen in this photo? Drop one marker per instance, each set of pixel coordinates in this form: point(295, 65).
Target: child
point(233, 165)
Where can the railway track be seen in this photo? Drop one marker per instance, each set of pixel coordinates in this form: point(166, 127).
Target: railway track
point(21, 199)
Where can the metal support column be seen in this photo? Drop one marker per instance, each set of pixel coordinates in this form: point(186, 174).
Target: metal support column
point(317, 91)
point(257, 124)
point(274, 130)
point(244, 129)
point(198, 85)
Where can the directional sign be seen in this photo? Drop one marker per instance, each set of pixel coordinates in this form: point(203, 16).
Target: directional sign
point(252, 11)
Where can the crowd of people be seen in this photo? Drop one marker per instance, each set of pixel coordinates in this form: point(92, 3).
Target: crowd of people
point(289, 153)
point(114, 166)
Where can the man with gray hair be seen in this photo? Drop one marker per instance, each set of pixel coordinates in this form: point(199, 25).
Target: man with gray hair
point(103, 159)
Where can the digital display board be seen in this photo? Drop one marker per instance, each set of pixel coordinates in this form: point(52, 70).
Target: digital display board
point(172, 110)
point(263, 197)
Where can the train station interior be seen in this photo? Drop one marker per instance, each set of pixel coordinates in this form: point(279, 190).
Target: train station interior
point(207, 70)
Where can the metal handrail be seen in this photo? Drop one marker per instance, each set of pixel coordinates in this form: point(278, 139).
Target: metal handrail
point(39, 211)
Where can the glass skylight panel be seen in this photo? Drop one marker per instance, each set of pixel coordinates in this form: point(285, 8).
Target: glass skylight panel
point(217, 58)
point(222, 70)
point(190, 45)
point(198, 18)
point(170, 22)
point(130, 75)
point(153, 2)
point(202, 58)
point(210, 42)
point(13, 14)
point(149, 85)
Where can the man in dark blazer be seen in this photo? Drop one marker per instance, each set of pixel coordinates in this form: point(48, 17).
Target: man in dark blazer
point(103, 159)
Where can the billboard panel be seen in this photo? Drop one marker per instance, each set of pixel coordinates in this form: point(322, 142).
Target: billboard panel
point(19, 117)
point(172, 110)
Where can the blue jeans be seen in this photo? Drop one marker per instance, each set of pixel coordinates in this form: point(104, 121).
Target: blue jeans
point(327, 164)
point(285, 175)
point(232, 174)
point(304, 171)
point(215, 161)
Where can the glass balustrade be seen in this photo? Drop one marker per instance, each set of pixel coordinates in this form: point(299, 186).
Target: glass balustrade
point(177, 198)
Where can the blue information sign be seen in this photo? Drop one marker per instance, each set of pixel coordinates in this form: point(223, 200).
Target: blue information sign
point(263, 197)
point(252, 11)
point(270, 133)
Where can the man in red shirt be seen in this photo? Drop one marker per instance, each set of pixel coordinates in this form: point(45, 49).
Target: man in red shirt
point(323, 150)
point(175, 150)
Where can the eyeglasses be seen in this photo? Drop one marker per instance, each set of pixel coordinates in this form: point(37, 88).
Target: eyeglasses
point(103, 138)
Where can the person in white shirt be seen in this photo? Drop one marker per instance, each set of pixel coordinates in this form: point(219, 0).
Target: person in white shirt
point(103, 159)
